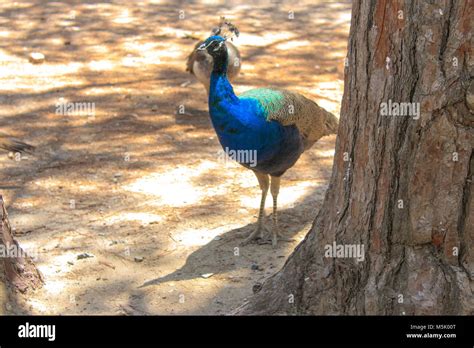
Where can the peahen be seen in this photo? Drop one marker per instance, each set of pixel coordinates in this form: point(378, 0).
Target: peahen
point(199, 63)
point(275, 124)
point(14, 145)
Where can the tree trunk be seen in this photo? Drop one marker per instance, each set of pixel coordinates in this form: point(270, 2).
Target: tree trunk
point(401, 186)
point(20, 271)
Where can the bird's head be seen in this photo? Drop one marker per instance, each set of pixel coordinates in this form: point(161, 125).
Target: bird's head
point(214, 45)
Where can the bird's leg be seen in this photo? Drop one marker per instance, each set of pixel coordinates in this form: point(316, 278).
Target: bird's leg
point(263, 181)
point(276, 233)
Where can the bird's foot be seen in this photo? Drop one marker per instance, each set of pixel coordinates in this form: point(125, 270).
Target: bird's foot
point(278, 235)
point(271, 237)
point(257, 234)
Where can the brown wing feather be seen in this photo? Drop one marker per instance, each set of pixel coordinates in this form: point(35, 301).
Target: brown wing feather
point(312, 120)
point(290, 108)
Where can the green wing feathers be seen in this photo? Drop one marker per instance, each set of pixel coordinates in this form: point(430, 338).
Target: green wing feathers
point(290, 108)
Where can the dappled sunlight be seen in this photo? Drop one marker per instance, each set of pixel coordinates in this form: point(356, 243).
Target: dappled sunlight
point(327, 153)
point(142, 218)
point(28, 105)
point(264, 39)
point(290, 194)
point(39, 306)
point(329, 90)
point(292, 44)
point(136, 193)
point(344, 17)
point(124, 17)
point(26, 219)
point(55, 287)
point(142, 51)
point(199, 237)
point(27, 76)
point(100, 65)
point(175, 187)
point(55, 263)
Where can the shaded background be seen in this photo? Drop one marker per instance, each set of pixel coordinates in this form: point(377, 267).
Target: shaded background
point(139, 187)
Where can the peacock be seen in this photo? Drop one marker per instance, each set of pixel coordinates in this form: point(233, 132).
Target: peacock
point(276, 125)
point(199, 63)
point(14, 145)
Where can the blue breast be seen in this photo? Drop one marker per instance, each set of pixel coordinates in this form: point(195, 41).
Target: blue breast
point(241, 125)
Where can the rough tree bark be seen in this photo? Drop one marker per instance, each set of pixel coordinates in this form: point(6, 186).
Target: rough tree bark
point(400, 186)
point(20, 271)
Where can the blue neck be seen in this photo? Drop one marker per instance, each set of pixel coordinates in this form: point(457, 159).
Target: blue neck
point(221, 101)
point(220, 90)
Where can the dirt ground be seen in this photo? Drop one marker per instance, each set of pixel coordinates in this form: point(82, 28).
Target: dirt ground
point(138, 190)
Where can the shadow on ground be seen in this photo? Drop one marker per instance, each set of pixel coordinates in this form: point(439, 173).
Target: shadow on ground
point(139, 180)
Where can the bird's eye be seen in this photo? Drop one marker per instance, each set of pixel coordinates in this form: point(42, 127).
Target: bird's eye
point(203, 46)
point(218, 46)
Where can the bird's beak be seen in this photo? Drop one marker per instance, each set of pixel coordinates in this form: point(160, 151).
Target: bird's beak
point(203, 47)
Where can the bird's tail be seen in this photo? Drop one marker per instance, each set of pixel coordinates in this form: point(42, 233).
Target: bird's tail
point(331, 123)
